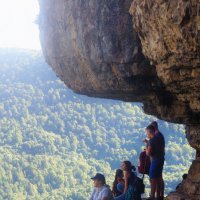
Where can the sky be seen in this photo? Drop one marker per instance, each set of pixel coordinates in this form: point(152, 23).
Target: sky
point(17, 27)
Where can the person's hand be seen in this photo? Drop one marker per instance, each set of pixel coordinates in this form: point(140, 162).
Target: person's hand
point(145, 141)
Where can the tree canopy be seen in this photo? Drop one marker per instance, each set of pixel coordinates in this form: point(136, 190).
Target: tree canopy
point(52, 140)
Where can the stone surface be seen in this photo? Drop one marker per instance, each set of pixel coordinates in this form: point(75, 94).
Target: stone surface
point(98, 49)
point(170, 35)
point(92, 47)
point(190, 188)
point(193, 136)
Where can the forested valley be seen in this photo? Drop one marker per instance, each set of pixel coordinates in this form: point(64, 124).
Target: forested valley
point(53, 140)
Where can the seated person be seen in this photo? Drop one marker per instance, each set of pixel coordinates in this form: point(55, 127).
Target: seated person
point(101, 190)
point(118, 184)
point(129, 182)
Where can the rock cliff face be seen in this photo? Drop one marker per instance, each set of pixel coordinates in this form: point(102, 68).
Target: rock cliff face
point(141, 50)
point(94, 50)
point(170, 35)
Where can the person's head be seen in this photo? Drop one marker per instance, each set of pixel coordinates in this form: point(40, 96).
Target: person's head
point(150, 131)
point(99, 180)
point(118, 174)
point(155, 125)
point(184, 176)
point(118, 179)
point(127, 166)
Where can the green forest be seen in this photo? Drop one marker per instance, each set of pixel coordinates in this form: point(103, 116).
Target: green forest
point(53, 140)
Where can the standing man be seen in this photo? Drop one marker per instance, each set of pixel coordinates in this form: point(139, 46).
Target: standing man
point(155, 151)
point(161, 142)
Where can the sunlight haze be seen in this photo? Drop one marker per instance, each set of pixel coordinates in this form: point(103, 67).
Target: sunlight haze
point(17, 27)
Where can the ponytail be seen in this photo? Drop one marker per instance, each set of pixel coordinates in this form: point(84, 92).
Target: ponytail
point(133, 168)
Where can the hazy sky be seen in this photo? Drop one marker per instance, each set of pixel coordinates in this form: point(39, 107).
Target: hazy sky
point(17, 28)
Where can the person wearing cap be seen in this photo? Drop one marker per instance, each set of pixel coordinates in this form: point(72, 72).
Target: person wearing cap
point(101, 190)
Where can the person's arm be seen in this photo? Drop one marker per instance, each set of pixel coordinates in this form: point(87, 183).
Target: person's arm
point(106, 194)
point(125, 181)
point(149, 150)
point(92, 195)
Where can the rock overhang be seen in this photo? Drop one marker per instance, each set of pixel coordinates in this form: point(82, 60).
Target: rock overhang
point(97, 50)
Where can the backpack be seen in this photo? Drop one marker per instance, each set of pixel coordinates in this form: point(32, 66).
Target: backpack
point(135, 189)
point(139, 186)
point(131, 195)
point(145, 163)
